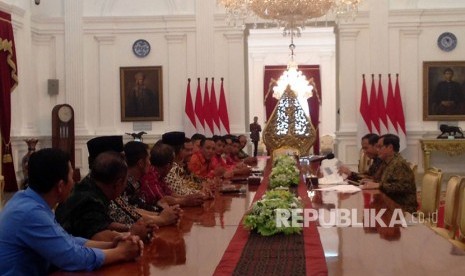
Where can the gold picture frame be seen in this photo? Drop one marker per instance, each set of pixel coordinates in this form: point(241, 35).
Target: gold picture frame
point(444, 90)
point(141, 93)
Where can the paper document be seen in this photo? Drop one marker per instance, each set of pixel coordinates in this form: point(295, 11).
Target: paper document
point(329, 168)
point(341, 188)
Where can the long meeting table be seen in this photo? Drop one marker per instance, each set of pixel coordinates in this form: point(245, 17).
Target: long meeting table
point(196, 246)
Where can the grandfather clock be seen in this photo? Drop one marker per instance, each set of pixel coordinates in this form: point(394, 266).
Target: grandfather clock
point(63, 132)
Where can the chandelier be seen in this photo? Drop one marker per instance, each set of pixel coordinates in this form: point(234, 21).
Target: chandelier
point(294, 79)
point(290, 14)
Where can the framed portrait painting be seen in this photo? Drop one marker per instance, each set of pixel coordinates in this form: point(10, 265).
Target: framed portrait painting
point(141, 93)
point(444, 90)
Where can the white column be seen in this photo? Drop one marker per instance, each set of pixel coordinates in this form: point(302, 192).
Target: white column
point(106, 117)
point(204, 11)
point(44, 47)
point(176, 89)
point(349, 84)
point(234, 83)
point(74, 87)
point(328, 107)
point(409, 61)
point(379, 37)
point(255, 98)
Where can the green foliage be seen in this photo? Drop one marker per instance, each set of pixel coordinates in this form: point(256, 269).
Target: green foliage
point(284, 172)
point(262, 217)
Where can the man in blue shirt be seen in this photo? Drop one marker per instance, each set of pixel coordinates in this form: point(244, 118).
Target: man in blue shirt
point(30, 238)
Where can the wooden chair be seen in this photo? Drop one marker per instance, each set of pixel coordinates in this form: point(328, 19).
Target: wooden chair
point(451, 207)
point(460, 240)
point(430, 193)
point(414, 167)
point(326, 144)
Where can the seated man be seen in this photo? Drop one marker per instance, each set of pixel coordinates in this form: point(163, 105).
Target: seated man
point(30, 238)
point(86, 212)
point(249, 160)
point(243, 142)
point(154, 188)
point(194, 181)
point(397, 180)
point(196, 140)
point(178, 179)
point(227, 149)
point(241, 163)
point(218, 160)
point(369, 147)
point(125, 209)
point(200, 163)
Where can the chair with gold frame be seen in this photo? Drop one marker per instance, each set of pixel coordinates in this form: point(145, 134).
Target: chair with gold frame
point(414, 167)
point(460, 240)
point(364, 162)
point(430, 192)
point(451, 207)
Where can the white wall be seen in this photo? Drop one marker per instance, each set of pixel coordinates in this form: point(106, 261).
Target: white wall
point(83, 44)
point(387, 39)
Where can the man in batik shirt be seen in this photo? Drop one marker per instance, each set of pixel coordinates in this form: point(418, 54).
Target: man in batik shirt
point(154, 188)
point(178, 179)
point(375, 171)
point(130, 207)
point(397, 180)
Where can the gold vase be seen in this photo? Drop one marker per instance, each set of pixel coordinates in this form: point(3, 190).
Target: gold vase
point(31, 147)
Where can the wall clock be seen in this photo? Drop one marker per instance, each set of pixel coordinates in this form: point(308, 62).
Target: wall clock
point(141, 48)
point(447, 41)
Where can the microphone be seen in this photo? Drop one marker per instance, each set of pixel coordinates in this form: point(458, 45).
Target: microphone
point(318, 158)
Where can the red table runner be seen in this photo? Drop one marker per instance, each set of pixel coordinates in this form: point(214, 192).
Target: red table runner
point(315, 263)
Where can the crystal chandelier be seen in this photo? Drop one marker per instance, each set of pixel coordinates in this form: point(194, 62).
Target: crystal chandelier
point(296, 81)
point(290, 14)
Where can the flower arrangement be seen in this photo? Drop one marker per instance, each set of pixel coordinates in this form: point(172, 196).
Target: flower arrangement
point(284, 160)
point(262, 216)
point(285, 172)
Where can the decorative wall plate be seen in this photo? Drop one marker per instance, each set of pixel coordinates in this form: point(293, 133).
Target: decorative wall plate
point(447, 41)
point(141, 48)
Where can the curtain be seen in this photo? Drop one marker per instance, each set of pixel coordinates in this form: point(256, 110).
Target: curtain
point(310, 71)
point(8, 82)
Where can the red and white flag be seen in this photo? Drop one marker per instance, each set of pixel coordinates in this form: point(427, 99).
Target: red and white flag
point(206, 111)
point(189, 118)
point(374, 116)
point(395, 113)
point(200, 119)
point(223, 111)
point(402, 132)
point(383, 124)
point(364, 121)
point(364, 106)
point(390, 108)
point(214, 109)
